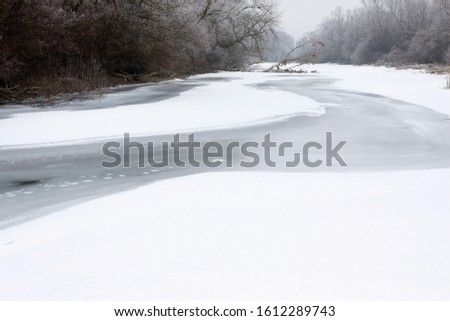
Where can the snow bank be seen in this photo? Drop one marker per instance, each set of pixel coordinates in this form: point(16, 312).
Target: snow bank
point(214, 104)
point(412, 86)
point(242, 236)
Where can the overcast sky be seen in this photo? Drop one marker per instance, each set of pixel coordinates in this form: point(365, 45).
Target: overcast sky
point(301, 16)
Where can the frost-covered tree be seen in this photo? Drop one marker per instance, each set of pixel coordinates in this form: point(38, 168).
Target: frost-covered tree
point(239, 28)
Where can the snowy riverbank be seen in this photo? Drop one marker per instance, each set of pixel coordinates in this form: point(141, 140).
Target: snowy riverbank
point(241, 237)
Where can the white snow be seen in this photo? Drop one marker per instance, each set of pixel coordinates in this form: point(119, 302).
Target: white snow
point(216, 104)
point(234, 236)
point(412, 86)
point(408, 85)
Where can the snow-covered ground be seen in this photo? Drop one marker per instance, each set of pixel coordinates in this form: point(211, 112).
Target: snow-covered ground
point(242, 236)
point(232, 236)
point(412, 86)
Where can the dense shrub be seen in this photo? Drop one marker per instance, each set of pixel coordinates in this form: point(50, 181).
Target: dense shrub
point(87, 41)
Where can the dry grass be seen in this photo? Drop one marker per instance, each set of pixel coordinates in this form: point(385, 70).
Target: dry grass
point(71, 81)
point(447, 86)
point(48, 90)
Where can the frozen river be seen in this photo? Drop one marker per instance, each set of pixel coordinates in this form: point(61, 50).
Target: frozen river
point(382, 134)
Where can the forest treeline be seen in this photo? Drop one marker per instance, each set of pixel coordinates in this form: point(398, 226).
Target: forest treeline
point(387, 31)
point(70, 45)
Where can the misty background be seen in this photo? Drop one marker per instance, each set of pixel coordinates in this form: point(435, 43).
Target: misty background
point(386, 32)
point(302, 16)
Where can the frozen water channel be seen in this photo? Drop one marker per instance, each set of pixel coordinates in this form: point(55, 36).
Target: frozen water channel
point(383, 134)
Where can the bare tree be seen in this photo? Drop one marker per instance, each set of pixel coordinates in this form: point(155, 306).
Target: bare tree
point(240, 27)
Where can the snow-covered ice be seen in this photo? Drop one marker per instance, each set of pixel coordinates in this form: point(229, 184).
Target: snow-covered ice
point(408, 85)
point(211, 105)
point(219, 104)
point(412, 86)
